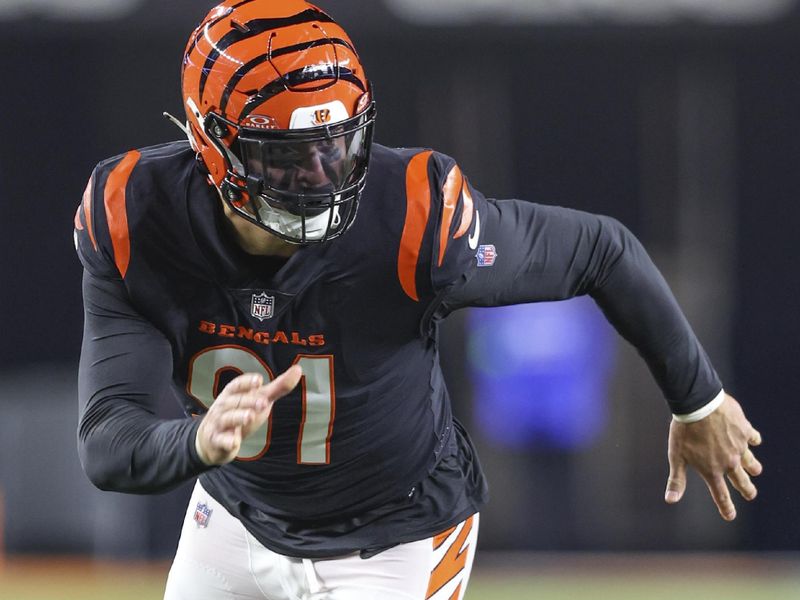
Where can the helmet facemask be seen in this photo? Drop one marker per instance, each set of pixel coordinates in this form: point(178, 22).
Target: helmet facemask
point(303, 185)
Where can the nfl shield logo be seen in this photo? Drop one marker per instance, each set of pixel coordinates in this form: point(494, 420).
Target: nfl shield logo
point(262, 306)
point(202, 514)
point(486, 255)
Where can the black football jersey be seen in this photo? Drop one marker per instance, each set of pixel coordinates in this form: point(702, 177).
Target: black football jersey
point(365, 453)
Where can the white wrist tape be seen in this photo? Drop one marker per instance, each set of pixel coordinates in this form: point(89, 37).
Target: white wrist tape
point(200, 454)
point(703, 411)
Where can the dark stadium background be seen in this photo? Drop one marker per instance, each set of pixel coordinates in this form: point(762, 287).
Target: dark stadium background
point(688, 131)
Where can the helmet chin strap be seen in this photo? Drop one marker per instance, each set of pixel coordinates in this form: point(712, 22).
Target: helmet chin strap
point(316, 227)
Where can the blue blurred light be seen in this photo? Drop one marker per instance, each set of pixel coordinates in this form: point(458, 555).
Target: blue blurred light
point(539, 373)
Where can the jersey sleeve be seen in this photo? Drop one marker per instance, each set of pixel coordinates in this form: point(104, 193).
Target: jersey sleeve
point(125, 368)
point(527, 252)
point(124, 378)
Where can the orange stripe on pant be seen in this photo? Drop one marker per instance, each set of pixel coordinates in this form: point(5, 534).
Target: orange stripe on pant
point(456, 594)
point(441, 538)
point(453, 561)
point(114, 199)
point(418, 208)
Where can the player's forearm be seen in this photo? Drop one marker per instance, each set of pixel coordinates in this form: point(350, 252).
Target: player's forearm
point(638, 302)
point(123, 383)
point(124, 449)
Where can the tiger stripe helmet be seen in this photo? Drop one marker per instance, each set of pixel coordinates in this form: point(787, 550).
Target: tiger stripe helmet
point(280, 113)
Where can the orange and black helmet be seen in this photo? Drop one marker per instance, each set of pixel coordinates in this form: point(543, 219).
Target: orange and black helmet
point(281, 114)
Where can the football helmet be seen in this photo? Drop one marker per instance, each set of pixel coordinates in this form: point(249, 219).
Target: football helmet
point(281, 115)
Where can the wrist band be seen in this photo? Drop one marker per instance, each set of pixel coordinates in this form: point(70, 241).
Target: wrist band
point(703, 411)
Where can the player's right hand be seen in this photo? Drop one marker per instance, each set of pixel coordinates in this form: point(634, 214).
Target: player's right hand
point(241, 408)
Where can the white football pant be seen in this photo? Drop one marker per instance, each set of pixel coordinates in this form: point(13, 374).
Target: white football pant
point(222, 560)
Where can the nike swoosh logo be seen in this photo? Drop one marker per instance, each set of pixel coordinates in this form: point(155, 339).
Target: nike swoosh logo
point(473, 239)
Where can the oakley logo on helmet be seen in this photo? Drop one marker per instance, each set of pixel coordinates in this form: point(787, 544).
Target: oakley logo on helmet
point(322, 116)
point(260, 122)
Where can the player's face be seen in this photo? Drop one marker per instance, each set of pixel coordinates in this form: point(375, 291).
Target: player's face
point(298, 168)
point(303, 184)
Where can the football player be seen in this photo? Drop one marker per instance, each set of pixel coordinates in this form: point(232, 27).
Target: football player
point(285, 278)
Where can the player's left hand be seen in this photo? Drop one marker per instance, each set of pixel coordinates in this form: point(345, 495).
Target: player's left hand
point(717, 446)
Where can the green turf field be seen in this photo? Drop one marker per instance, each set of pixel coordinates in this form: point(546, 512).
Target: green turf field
point(519, 578)
point(618, 587)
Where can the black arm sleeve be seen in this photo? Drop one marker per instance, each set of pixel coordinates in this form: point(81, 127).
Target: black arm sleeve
point(553, 253)
point(125, 373)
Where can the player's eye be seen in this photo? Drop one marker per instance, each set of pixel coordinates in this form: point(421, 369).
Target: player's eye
point(330, 150)
point(283, 157)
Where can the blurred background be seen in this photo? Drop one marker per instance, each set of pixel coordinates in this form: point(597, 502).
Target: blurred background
point(678, 117)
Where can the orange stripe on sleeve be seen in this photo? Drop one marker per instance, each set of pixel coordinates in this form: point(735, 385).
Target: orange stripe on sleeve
point(116, 212)
point(450, 191)
point(77, 221)
point(418, 208)
point(87, 211)
point(453, 561)
point(468, 208)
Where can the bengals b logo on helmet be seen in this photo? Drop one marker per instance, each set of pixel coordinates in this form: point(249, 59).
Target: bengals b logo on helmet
point(322, 116)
